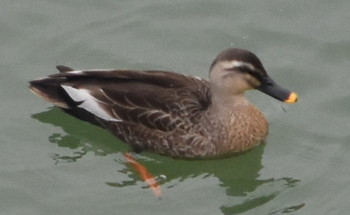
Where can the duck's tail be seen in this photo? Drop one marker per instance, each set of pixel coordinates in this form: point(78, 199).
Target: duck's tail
point(52, 90)
point(63, 69)
point(49, 88)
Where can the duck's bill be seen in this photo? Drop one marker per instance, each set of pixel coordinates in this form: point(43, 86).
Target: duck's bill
point(269, 87)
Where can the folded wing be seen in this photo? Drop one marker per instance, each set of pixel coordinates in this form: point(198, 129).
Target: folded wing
point(146, 100)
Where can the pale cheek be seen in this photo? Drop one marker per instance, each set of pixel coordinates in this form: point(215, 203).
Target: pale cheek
point(252, 81)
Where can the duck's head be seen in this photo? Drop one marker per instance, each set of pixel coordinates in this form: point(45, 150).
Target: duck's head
point(235, 71)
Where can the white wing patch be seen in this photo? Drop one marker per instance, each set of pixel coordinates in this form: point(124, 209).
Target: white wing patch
point(89, 103)
point(91, 70)
point(76, 72)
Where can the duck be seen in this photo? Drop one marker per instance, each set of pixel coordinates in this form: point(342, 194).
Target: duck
point(168, 113)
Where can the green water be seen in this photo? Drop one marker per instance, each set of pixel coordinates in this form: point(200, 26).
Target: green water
point(51, 163)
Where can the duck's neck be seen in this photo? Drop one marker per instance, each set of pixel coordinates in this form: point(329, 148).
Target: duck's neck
point(225, 103)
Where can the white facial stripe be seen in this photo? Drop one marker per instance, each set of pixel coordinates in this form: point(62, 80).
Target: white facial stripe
point(235, 63)
point(88, 102)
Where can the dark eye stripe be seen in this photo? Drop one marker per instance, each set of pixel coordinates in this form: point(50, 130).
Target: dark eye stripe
point(246, 69)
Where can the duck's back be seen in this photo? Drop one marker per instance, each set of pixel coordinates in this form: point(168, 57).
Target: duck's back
point(146, 109)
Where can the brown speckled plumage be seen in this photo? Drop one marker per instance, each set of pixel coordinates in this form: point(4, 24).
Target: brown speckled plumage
point(168, 113)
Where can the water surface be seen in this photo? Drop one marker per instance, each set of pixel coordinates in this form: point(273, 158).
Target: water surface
point(51, 163)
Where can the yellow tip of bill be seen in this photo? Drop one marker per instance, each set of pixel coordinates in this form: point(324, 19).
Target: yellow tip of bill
point(293, 97)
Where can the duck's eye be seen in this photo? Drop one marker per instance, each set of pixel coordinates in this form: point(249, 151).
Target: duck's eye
point(244, 69)
point(248, 70)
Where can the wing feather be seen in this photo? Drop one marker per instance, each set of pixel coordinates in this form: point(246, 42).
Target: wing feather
point(158, 100)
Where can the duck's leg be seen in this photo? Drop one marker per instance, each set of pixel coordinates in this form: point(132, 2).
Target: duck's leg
point(145, 174)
